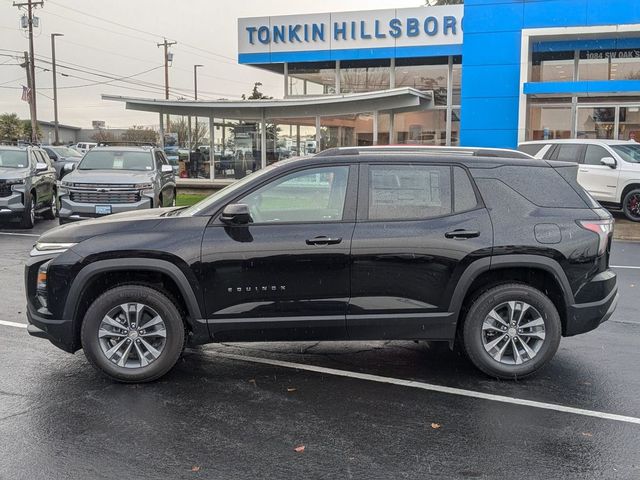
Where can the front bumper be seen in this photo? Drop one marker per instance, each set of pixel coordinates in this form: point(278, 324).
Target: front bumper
point(12, 205)
point(58, 332)
point(584, 317)
point(70, 210)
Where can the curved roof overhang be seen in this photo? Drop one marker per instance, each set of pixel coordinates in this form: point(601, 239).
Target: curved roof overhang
point(396, 99)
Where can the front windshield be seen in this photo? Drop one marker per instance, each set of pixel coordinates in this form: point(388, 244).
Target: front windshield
point(66, 152)
point(13, 159)
point(204, 204)
point(629, 153)
point(116, 160)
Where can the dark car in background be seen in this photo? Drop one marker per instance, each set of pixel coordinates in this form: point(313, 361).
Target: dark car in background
point(60, 156)
point(27, 185)
point(357, 244)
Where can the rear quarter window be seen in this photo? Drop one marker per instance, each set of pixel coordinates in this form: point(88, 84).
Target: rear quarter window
point(532, 148)
point(542, 186)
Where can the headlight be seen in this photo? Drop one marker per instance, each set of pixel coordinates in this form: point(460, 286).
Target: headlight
point(41, 285)
point(47, 248)
point(15, 181)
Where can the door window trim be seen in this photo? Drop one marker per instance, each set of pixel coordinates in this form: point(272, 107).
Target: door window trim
point(350, 201)
point(363, 191)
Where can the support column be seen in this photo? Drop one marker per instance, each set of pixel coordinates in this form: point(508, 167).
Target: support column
point(286, 80)
point(263, 141)
point(449, 114)
point(392, 139)
point(189, 137)
point(375, 128)
point(212, 150)
point(318, 134)
point(298, 140)
point(161, 130)
point(392, 74)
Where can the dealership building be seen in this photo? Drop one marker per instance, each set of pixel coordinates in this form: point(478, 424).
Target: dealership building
point(486, 73)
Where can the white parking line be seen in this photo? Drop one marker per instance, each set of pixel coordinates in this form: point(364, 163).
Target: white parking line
point(20, 234)
point(625, 266)
point(433, 388)
point(413, 384)
point(13, 324)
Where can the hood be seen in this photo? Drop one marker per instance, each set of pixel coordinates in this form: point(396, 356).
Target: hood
point(13, 173)
point(136, 220)
point(126, 177)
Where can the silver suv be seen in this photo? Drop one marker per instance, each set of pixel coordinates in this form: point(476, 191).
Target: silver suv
point(113, 179)
point(27, 185)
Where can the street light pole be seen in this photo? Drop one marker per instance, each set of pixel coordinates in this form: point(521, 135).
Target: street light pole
point(55, 88)
point(195, 95)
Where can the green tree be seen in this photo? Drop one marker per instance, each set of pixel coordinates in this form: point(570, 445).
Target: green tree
point(256, 94)
point(10, 127)
point(102, 136)
point(26, 130)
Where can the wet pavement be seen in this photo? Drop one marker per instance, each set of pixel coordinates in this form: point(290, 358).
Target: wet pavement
point(220, 417)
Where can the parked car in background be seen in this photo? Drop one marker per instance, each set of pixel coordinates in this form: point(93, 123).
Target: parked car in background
point(608, 169)
point(351, 244)
point(27, 185)
point(84, 147)
point(60, 156)
point(112, 179)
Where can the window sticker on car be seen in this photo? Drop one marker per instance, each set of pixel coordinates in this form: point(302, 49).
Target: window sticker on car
point(118, 162)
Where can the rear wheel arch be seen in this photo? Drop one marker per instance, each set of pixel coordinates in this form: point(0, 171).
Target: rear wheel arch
point(627, 189)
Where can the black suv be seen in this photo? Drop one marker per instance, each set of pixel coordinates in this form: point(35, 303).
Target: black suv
point(500, 256)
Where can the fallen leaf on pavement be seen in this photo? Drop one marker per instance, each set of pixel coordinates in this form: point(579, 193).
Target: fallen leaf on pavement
point(291, 389)
point(587, 434)
point(299, 449)
point(436, 426)
point(195, 468)
point(253, 380)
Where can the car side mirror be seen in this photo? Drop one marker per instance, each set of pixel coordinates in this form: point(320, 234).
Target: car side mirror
point(236, 214)
point(41, 167)
point(166, 169)
point(69, 167)
point(609, 162)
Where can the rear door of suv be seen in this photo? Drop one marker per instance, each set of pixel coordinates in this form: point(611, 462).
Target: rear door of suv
point(419, 225)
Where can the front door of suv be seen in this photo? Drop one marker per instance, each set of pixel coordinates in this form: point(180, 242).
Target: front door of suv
point(599, 180)
point(285, 275)
point(419, 226)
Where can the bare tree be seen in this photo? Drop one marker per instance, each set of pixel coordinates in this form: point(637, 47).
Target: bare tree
point(140, 134)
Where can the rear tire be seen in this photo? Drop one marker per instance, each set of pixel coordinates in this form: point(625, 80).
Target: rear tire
point(144, 322)
point(631, 205)
point(29, 214)
point(511, 331)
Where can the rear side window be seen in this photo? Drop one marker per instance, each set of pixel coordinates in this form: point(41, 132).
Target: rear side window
point(464, 197)
point(568, 153)
point(532, 148)
point(403, 192)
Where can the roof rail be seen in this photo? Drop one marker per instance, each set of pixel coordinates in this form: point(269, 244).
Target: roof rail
point(125, 144)
point(426, 150)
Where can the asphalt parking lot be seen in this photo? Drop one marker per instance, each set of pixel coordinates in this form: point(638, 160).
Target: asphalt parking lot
point(361, 410)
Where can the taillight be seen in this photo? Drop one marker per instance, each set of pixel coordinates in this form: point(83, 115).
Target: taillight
point(602, 228)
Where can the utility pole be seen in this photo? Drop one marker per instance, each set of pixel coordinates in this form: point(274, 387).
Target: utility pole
point(32, 105)
point(195, 97)
point(168, 57)
point(55, 88)
point(31, 77)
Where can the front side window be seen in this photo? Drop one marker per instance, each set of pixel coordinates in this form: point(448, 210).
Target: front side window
point(629, 153)
point(594, 155)
point(315, 195)
point(118, 160)
point(409, 192)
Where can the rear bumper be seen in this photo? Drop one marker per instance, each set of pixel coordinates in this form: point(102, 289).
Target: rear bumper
point(584, 317)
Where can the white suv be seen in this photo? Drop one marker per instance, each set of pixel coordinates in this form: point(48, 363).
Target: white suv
point(608, 169)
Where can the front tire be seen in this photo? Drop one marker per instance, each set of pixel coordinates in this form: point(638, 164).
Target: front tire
point(28, 218)
point(133, 334)
point(52, 212)
point(511, 331)
point(631, 205)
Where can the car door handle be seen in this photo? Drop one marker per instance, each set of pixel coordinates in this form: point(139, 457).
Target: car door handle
point(584, 170)
point(323, 240)
point(462, 234)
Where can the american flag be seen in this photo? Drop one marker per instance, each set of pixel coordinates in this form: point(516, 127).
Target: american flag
point(26, 94)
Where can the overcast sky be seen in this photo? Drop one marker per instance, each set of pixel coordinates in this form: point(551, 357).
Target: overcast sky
point(92, 42)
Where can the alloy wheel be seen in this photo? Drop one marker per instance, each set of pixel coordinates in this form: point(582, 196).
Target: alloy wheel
point(513, 333)
point(132, 335)
point(633, 205)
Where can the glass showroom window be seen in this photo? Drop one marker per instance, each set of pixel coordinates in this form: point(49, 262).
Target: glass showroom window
point(364, 75)
point(609, 65)
point(312, 78)
point(553, 66)
point(456, 80)
point(346, 130)
point(421, 128)
point(596, 122)
point(629, 128)
point(549, 122)
point(455, 127)
point(425, 74)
